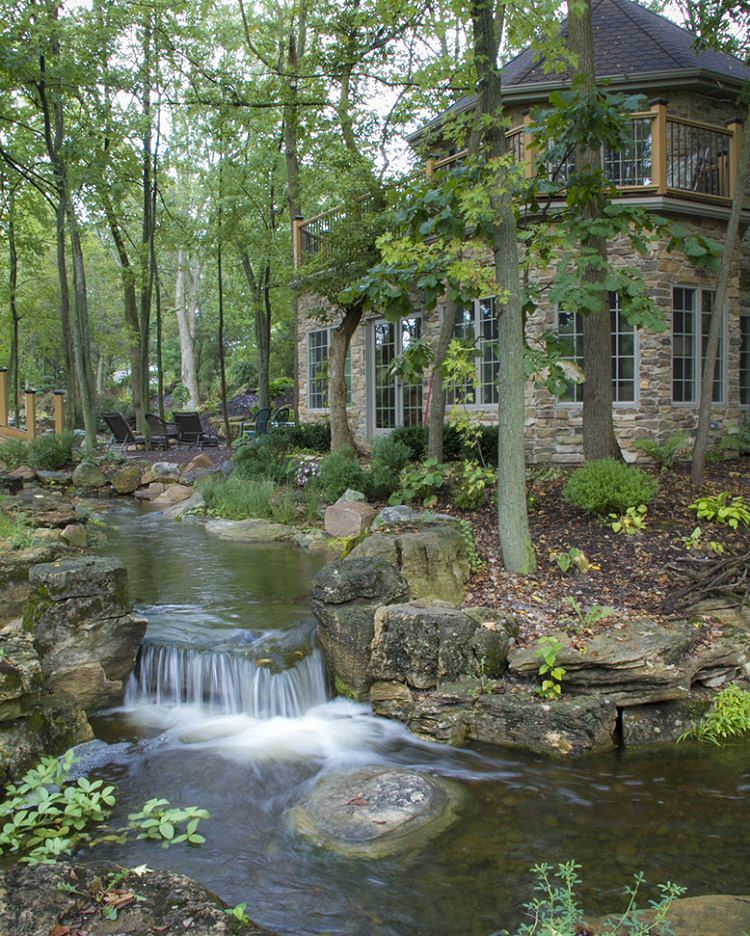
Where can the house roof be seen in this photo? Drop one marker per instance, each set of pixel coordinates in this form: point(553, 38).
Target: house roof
point(632, 45)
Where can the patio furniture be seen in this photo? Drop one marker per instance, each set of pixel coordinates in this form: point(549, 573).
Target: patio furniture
point(281, 417)
point(190, 431)
point(122, 435)
point(257, 428)
point(161, 433)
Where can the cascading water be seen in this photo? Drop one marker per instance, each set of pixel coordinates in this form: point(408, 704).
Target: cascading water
point(225, 683)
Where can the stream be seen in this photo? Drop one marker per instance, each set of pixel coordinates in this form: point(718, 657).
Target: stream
point(229, 710)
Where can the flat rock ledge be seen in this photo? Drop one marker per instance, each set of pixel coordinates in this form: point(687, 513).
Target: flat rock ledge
point(33, 903)
point(711, 915)
point(376, 812)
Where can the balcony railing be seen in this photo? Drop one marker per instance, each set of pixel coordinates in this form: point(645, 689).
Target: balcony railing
point(667, 155)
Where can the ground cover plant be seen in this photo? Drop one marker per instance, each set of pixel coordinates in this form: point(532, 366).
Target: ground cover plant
point(48, 452)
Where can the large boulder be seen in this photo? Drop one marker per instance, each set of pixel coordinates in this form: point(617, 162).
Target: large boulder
point(662, 721)
point(345, 597)
point(638, 662)
point(251, 531)
point(173, 495)
point(432, 558)
point(14, 578)
point(87, 639)
point(51, 511)
point(165, 472)
point(20, 676)
point(89, 475)
point(422, 645)
point(127, 478)
point(710, 915)
point(346, 519)
point(59, 899)
point(177, 511)
point(150, 491)
point(376, 811)
point(460, 712)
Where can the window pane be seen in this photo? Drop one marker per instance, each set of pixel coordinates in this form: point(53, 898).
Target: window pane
point(411, 330)
point(385, 386)
point(317, 363)
point(623, 354)
point(707, 302)
point(488, 351)
point(745, 360)
point(570, 331)
point(683, 344)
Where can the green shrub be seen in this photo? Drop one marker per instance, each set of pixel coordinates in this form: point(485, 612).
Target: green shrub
point(340, 470)
point(388, 451)
point(664, 455)
point(234, 498)
point(739, 440)
point(284, 508)
point(279, 386)
point(472, 484)
point(421, 482)
point(313, 436)
point(729, 717)
point(723, 510)
point(609, 486)
point(415, 438)
point(454, 447)
point(14, 453)
point(51, 452)
point(263, 459)
point(15, 532)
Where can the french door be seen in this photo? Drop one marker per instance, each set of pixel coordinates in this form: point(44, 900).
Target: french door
point(393, 402)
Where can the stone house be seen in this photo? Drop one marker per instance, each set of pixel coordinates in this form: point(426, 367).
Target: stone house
point(682, 163)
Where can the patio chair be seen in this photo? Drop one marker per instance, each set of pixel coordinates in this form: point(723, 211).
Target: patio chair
point(161, 433)
point(122, 435)
point(281, 417)
point(190, 431)
point(257, 428)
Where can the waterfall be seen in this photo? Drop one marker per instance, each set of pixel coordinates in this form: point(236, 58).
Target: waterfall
point(225, 683)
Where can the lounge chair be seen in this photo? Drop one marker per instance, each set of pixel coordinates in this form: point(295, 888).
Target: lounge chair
point(281, 417)
point(190, 431)
point(161, 433)
point(256, 428)
point(122, 435)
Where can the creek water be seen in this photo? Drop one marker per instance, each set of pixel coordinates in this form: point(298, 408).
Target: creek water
point(230, 710)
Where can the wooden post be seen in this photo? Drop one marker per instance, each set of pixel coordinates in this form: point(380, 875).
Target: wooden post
point(659, 144)
point(735, 147)
point(30, 398)
point(297, 241)
point(59, 412)
point(3, 396)
point(528, 149)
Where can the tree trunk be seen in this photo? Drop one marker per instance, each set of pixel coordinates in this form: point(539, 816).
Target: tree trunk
point(698, 464)
point(262, 314)
point(599, 440)
point(186, 327)
point(81, 344)
point(220, 283)
point(515, 541)
point(14, 369)
point(436, 416)
point(341, 336)
point(100, 376)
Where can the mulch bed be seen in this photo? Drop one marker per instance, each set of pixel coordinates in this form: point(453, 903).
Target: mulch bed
point(630, 572)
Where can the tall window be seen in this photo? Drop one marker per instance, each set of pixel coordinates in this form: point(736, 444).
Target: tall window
point(396, 403)
point(570, 330)
point(691, 317)
point(477, 324)
point(318, 345)
point(745, 360)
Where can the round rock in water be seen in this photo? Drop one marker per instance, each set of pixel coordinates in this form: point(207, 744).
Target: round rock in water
point(377, 811)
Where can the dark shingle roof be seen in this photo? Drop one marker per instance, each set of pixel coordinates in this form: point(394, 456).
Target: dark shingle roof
point(630, 40)
point(630, 43)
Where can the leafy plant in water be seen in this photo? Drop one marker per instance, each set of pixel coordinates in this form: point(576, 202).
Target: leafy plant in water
point(574, 559)
point(664, 454)
point(721, 509)
point(557, 912)
point(631, 522)
point(421, 482)
point(589, 617)
point(551, 674)
point(46, 815)
point(476, 563)
point(238, 913)
point(728, 718)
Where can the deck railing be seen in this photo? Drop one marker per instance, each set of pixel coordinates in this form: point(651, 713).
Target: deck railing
point(15, 432)
point(666, 155)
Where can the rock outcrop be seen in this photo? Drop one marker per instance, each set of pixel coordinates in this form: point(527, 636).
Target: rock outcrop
point(345, 597)
point(79, 615)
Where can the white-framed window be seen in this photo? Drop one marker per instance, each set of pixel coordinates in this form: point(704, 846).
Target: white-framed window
point(624, 352)
point(477, 324)
point(691, 318)
point(394, 402)
point(318, 346)
point(745, 359)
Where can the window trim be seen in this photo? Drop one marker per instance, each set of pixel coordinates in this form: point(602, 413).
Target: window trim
point(476, 406)
point(325, 409)
point(743, 317)
point(698, 351)
point(373, 430)
point(620, 404)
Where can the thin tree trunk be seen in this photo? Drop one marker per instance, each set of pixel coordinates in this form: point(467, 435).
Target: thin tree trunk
point(14, 368)
point(100, 374)
point(147, 228)
point(436, 416)
point(262, 315)
point(81, 344)
point(220, 282)
point(599, 440)
point(186, 316)
point(515, 541)
point(159, 336)
point(698, 464)
point(341, 336)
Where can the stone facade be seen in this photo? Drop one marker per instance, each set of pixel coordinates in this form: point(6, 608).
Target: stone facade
point(553, 427)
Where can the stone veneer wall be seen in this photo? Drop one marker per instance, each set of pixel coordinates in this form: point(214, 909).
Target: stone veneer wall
point(553, 429)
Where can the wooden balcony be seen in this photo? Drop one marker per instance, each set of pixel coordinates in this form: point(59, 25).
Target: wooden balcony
point(668, 156)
